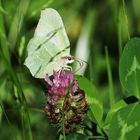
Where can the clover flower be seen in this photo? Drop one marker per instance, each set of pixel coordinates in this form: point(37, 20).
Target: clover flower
point(65, 100)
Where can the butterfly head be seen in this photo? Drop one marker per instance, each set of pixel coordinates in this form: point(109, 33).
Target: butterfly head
point(69, 59)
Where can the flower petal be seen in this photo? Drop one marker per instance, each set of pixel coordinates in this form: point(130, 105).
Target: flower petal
point(47, 79)
point(70, 77)
point(64, 79)
point(75, 86)
point(56, 80)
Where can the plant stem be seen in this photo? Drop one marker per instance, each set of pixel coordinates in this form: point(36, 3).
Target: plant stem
point(111, 88)
point(126, 19)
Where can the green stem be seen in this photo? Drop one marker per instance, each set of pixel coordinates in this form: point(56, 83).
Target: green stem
point(119, 32)
point(126, 19)
point(111, 87)
point(64, 135)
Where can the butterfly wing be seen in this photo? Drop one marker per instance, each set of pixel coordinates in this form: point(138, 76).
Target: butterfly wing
point(56, 64)
point(50, 39)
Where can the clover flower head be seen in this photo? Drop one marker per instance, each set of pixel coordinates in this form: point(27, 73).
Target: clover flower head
point(65, 100)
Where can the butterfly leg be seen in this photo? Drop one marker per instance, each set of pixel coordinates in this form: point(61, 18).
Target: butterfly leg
point(65, 68)
point(68, 67)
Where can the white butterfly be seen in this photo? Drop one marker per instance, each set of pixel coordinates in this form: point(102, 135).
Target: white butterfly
point(49, 49)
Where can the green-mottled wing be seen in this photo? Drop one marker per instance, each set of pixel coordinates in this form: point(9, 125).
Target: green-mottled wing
point(50, 41)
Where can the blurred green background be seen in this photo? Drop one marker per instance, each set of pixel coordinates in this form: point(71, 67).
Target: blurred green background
point(91, 25)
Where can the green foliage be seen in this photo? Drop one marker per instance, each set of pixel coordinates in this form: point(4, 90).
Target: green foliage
point(111, 76)
point(130, 67)
point(93, 99)
point(110, 80)
point(111, 113)
point(77, 136)
point(125, 124)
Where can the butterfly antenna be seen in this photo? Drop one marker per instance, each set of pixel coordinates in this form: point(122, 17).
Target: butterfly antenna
point(83, 61)
point(80, 62)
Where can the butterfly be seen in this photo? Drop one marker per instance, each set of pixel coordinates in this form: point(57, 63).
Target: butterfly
point(49, 49)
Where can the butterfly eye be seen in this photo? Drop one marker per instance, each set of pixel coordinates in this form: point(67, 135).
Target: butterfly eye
point(69, 58)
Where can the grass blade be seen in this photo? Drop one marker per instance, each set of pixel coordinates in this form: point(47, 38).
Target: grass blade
point(110, 80)
point(17, 22)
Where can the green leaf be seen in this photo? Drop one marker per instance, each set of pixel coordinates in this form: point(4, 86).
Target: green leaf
point(136, 4)
point(36, 6)
point(111, 113)
point(129, 67)
point(17, 22)
point(3, 10)
point(93, 98)
point(74, 136)
point(125, 124)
